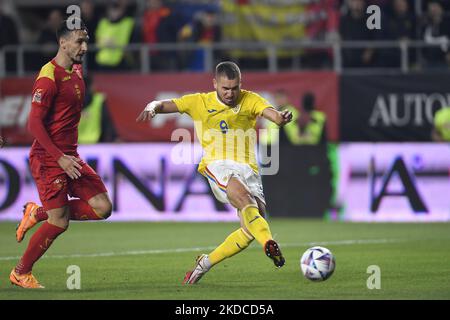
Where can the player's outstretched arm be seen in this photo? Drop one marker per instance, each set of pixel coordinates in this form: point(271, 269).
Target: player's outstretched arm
point(154, 107)
point(280, 118)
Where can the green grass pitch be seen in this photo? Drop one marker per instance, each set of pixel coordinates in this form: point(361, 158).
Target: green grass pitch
point(144, 260)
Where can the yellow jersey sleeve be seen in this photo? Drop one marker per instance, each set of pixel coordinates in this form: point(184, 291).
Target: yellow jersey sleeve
point(188, 103)
point(259, 104)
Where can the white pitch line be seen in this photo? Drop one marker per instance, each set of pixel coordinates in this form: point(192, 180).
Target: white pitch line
point(176, 250)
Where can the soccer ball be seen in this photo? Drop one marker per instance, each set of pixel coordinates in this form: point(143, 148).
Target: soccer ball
point(317, 263)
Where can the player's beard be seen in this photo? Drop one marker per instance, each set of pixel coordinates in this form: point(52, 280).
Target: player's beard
point(78, 59)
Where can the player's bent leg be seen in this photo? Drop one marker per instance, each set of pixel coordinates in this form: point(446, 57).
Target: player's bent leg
point(57, 223)
point(98, 207)
point(233, 244)
point(240, 197)
point(271, 248)
point(94, 202)
point(261, 207)
point(59, 217)
point(101, 204)
point(238, 194)
point(79, 210)
point(32, 215)
point(259, 228)
point(254, 222)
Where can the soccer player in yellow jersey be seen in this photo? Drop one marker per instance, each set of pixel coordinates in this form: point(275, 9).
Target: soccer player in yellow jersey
point(221, 118)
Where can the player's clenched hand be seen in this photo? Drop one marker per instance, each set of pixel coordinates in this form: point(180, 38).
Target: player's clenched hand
point(286, 116)
point(70, 166)
point(149, 111)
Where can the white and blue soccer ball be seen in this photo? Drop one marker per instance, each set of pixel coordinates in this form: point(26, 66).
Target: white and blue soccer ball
point(317, 263)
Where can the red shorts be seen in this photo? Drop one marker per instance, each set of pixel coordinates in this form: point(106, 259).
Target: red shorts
point(54, 185)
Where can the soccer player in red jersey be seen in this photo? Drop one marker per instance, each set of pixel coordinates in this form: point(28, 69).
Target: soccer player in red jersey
point(57, 169)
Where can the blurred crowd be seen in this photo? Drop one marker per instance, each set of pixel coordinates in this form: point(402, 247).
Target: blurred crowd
point(118, 23)
point(400, 23)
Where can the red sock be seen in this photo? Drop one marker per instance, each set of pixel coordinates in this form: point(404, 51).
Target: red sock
point(81, 210)
point(41, 214)
point(39, 243)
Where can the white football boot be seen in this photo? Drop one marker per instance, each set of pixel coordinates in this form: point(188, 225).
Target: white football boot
point(201, 267)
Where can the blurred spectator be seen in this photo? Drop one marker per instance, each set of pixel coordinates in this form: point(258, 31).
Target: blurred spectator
point(400, 25)
point(114, 32)
point(437, 32)
point(8, 36)
point(353, 27)
point(281, 100)
point(310, 123)
point(156, 11)
point(205, 29)
point(322, 24)
point(90, 20)
point(47, 38)
point(89, 17)
point(307, 126)
point(441, 128)
point(282, 103)
point(96, 124)
point(48, 34)
point(274, 133)
point(383, 4)
point(160, 25)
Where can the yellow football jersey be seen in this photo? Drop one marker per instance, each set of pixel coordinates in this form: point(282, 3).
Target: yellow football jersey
point(225, 133)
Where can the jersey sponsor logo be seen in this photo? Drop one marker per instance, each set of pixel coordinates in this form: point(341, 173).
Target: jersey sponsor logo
point(66, 78)
point(37, 96)
point(212, 110)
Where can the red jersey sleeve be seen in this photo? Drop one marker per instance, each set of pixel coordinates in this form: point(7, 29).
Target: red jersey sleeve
point(44, 92)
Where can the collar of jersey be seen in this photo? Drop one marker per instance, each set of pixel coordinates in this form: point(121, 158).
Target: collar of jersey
point(237, 107)
point(58, 66)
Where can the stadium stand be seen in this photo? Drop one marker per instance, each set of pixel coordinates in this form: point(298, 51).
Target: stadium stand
point(194, 35)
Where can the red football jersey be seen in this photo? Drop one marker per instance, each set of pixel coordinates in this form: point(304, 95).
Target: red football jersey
point(57, 100)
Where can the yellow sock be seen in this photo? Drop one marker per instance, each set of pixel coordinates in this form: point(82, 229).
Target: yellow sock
point(256, 224)
point(234, 243)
